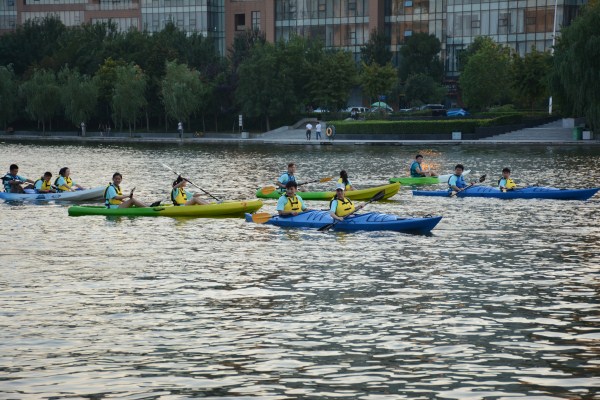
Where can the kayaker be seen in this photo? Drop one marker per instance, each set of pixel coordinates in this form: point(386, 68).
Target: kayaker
point(340, 206)
point(12, 181)
point(43, 185)
point(344, 179)
point(64, 183)
point(182, 197)
point(290, 203)
point(114, 197)
point(506, 183)
point(416, 169)
point(286, 177)
point(456, 182)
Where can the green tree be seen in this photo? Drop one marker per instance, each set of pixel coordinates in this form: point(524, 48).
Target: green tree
point(531, 77)
point(420, 54)
point(128, 97)
point(377, 49)
point(243, 43)
point(479, 43)
point(575, 73)
point(8, 95)
point(265, 90)
point(486, 79)
point(422, 89)
point(332, 79)
point(78, 95)
point(182, 91)
point(41, 93)
point(378, 80)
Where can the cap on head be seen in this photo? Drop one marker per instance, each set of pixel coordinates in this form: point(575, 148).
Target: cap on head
point(340, 186)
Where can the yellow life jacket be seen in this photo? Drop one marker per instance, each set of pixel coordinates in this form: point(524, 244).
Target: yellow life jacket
point(293, 204)
point(347, 186)
point(180, 198)
point(46, 186)
point(510, 184)
point(344, 207)
point(67, 186)
point(113, 201)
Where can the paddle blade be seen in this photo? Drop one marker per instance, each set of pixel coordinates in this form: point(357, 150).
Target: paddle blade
point(268, 189)
point(322, 180)
point(261, 218)
point(482, 178)
point(378, 196)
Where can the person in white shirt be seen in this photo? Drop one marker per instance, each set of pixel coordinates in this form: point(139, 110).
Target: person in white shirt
point(318, 130)
point(308, 131)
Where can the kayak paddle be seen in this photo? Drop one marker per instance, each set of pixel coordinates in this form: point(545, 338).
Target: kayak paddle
point(270, 189)
point(378, 196)
point(191, 183)
point(481, 179)
point(261, 218)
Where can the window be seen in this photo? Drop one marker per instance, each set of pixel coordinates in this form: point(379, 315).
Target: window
point(239, 22)
point(530, 20)
point(408, 3)
point(408, 33)
point(352, 5)
point(256, 20)
point(475, 23)
point(503, 21)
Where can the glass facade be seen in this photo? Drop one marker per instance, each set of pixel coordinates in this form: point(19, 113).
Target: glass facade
point(8, 15)
point(342, 24)
point(206, 17)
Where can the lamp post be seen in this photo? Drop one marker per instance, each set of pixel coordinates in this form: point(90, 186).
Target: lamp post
point(552, 49)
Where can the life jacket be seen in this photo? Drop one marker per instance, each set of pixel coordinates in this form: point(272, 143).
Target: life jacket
point(46, 186)
point(509, 183)
point(460, 182)
point(292, 204)
point(181, 197)
point(348, 186)
point(290, 179)
point(413, 170)
point(113, 201)
point(67, 186)
point(344, 207)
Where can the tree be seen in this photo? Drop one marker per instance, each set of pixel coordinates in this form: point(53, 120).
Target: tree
point(420, 54)
point(8, 95)
point(531, 77)
point(575, 74)
point(332, 79)
point(378, 80)
point(182, 91)
point(422, 89)
point(128, 97)
point(479, 43)
point(376, 50)
point(41, 93)
point(78, 94)
point(243, 43)
point(485, 80)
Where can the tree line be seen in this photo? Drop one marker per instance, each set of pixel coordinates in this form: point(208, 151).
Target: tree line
point(52, 74)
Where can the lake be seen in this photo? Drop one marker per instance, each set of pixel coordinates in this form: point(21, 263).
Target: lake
point(500, 301)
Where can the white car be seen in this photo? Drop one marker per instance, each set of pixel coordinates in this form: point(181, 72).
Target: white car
point(320, 110)
point(357, 109)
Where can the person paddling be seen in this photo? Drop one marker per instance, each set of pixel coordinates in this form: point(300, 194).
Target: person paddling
point(344, 179)
point(114, 197)
point(43, 185)
point(340, 206)
point(506, 183)
point(12, 181)
point(290, 203)
point(286, 177)
point(416, 169)
point(182, 197)
point(456, 182)
point(64, 183)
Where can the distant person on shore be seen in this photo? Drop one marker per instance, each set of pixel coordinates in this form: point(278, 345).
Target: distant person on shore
point(416, 169)
point(64, 183)
point(83, 128)
point(12, 181)
point(180, 129)
point(43, 185)
point(290, 203)
point(114, 197)
point(318, 129)
point(456, 181)
point(308, 130)
point(345, 181)
point(182, 197)
point(506, 183)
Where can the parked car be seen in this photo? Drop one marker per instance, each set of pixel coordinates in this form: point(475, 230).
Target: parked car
point(320, 110)
point(437, 110)
point(457, 112)
point(356, 109)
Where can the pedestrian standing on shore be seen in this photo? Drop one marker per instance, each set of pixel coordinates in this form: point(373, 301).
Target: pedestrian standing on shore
point(180, 129)
point(82, 128)
point(318, 129)
point(308, 130)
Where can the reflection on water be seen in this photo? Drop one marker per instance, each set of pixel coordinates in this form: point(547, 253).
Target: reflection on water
point(501, 301)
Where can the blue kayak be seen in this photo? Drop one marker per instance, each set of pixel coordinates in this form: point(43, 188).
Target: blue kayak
point(356, 222)
point(532, 192)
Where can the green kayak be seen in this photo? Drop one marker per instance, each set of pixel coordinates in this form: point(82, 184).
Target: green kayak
point(213, 210)
point(362, 194)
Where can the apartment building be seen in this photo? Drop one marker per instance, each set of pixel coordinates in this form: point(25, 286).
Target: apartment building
point(340, 24)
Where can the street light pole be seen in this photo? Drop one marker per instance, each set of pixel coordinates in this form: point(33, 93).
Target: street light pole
point(552, 50)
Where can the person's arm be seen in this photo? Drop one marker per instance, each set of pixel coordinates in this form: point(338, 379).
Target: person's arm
point(280, 182)
point(333, 209)
point(281, 205)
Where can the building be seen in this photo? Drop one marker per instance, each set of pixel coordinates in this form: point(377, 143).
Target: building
point(341, 24)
